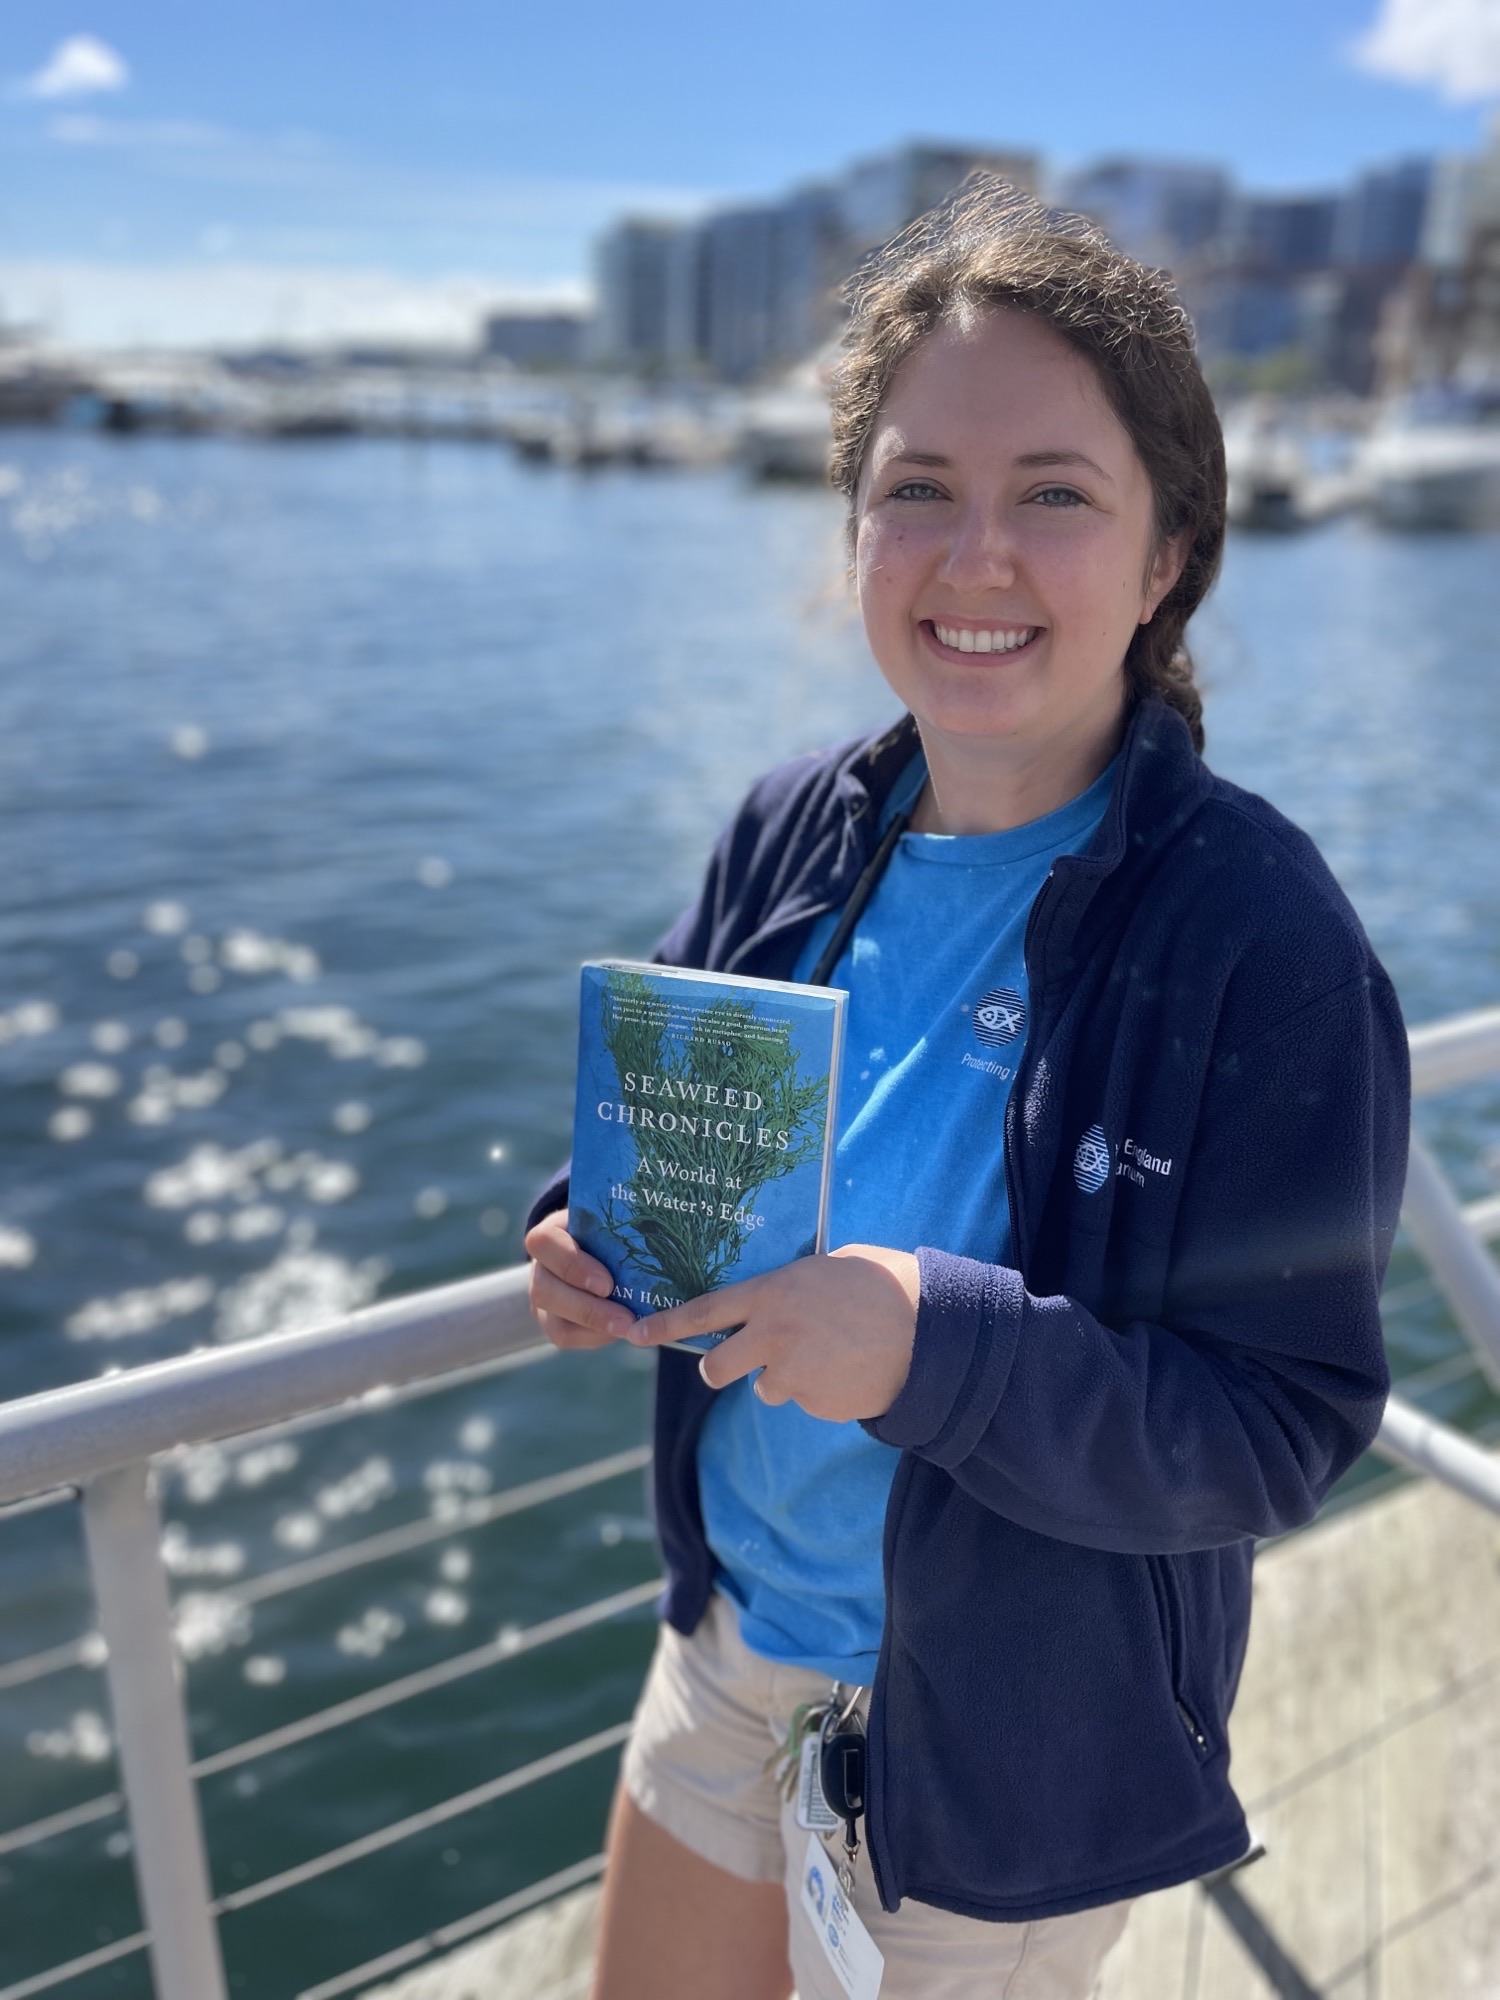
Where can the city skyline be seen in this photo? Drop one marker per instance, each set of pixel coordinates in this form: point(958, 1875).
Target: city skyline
point(276, 179)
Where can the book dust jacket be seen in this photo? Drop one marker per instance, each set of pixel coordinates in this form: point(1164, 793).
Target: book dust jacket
point(703, 1130)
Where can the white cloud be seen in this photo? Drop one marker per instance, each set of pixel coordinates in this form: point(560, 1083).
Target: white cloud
point(1452, 44)
point(234, 302)
point(79, 66)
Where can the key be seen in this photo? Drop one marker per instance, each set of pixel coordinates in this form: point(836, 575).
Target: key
point(842, 1770)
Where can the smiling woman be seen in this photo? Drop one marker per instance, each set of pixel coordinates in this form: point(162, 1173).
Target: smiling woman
point(1120, 1150)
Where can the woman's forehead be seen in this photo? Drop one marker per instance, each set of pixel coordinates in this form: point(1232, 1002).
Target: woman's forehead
point(998, 380)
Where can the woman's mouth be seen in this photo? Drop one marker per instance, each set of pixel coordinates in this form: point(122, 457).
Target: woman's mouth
point(970, 639)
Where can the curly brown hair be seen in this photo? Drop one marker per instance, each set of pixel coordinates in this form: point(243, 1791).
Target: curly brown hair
point(990, 246)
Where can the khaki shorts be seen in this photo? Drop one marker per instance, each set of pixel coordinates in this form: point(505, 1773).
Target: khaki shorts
point(710, 1715)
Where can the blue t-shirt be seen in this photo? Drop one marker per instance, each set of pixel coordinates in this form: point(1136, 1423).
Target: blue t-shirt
point(794, 1507)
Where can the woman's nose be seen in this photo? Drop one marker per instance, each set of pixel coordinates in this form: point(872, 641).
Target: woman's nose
point(981, 554)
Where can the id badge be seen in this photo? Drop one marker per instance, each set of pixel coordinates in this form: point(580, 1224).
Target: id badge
point(856, 1959)
point(813, 1815)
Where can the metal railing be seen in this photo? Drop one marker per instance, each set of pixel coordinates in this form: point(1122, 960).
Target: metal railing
point(97, 1440)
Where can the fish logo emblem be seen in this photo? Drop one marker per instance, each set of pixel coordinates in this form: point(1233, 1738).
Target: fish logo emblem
point(1091, 1163)
point(999, 1017)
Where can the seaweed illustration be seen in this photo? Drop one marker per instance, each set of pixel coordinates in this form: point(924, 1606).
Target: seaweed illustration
point(694, 1248)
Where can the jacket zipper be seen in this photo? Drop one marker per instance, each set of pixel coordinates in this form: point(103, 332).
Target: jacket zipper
point(1177, 1653)
point(1195, 1734)
point(1022, 1078)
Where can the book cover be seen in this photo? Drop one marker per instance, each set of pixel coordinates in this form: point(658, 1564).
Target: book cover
point(703, 1128)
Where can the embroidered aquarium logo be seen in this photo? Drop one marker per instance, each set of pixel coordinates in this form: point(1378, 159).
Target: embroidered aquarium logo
point(999, 1017)
point(1091, 1161)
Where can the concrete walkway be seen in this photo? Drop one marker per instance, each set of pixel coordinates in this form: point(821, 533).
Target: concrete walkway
point(1367, 1750)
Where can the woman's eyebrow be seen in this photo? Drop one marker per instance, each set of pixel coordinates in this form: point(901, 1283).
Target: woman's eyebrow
point(1058, 455)
point(1061, 456)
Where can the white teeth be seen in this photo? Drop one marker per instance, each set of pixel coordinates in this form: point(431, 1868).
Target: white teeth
point(963, 640)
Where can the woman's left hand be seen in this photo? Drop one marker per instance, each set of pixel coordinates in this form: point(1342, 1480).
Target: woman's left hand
point(833, 1334)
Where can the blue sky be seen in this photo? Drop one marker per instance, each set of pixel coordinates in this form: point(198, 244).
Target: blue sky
point(440, 150)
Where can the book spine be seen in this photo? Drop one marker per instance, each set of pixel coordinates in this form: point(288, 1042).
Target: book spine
point(830, 1122)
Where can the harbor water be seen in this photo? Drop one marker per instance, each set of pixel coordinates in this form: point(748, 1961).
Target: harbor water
point(322, 766)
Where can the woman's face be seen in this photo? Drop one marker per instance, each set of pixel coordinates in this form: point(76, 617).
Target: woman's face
point(1006, 546)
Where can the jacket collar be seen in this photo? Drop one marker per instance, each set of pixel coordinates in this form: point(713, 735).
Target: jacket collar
point(1159, 779)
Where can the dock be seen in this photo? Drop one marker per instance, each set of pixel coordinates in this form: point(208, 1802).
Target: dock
point(1366, 1748)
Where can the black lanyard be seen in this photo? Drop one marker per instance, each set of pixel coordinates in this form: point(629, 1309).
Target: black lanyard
point(859, 897)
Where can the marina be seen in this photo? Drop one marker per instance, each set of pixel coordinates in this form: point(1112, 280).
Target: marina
point(1425, 462)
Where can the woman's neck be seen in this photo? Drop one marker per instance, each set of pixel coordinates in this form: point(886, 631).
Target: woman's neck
point(976, 785)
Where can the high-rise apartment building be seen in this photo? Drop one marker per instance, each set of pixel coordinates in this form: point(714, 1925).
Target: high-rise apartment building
point(1382, 216)
point(1163, 211)
point(752, 290)
point(636, 265)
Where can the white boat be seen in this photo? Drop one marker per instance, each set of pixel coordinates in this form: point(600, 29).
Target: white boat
point(785, 435)
point(784, 428)
point(1266, 470)
point(1434, 461)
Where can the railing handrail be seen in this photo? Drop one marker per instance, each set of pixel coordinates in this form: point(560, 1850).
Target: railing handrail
point(1460, 1048)
point(64, 1437)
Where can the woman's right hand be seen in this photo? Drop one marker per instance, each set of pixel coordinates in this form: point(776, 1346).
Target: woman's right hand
point(570, 1290)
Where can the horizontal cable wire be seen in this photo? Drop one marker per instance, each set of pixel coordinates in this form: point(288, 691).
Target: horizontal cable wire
point(88, 1650)
point(489, 1918)
point(1405, 1298)
point(75, 1967)
point(34, 1502)
point(417, 1534)
point(509, 1647)
point(60, 1822)
point(455, 1668)
point(403, 1829)
point(1438, 1375)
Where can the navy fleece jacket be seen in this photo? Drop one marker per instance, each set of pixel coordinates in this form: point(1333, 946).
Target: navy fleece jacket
point(1205, 1151)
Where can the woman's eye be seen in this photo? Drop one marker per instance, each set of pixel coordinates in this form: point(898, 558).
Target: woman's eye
point(916, 489)
point(1059, 496)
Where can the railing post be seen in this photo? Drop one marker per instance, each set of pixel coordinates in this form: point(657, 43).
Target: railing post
point(123, 1528)
point(1461, 1264)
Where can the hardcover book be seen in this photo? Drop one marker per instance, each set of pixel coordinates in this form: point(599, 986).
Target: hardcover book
point(703, 1129)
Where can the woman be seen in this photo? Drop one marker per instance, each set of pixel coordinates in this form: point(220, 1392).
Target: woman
point(1121, 1149)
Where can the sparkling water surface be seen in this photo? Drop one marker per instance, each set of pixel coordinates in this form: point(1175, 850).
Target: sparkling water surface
point(322, 766)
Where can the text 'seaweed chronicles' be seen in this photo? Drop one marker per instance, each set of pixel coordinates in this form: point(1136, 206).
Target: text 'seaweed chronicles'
point(703, 1130)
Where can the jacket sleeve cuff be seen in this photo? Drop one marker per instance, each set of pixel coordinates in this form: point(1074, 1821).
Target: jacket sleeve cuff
point(968, 1324)
point(553, 1196)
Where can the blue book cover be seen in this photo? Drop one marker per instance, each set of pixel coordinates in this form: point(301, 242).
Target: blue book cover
point(703, 1128)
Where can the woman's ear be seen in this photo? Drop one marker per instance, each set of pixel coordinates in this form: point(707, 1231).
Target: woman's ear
point(1166, 566)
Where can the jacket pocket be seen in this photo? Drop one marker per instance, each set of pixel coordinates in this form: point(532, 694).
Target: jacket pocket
point(1172, 1618)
